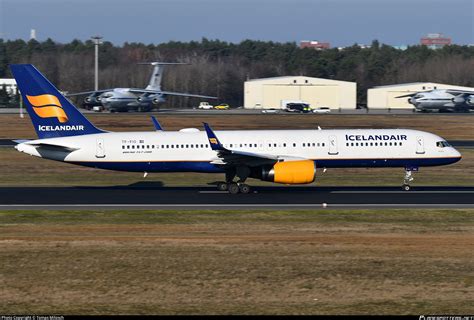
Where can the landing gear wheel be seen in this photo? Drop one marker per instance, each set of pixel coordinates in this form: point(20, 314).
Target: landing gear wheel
point(244, 188)
point(233, 188)
point(222, 186)
point(406, 187)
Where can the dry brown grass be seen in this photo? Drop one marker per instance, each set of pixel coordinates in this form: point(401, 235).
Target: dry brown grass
point(333, 262)
point(451, 127)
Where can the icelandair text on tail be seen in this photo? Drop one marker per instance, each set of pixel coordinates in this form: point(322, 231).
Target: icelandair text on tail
point(61, 128)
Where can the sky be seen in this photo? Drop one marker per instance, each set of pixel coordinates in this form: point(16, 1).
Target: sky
point(340, 22)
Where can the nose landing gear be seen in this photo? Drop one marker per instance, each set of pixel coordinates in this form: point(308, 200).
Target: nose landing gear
point(408, 178)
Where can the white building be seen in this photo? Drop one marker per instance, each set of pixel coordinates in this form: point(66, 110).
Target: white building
point(10, 86)
point(270, 92)
point(384, 97)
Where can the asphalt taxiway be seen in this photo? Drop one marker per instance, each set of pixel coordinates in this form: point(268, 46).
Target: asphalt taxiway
point(159, 197)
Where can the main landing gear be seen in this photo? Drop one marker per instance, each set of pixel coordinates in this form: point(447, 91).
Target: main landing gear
point(235, 187)
point(408, 178)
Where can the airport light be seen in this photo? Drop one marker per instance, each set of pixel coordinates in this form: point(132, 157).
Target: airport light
point(97, 41)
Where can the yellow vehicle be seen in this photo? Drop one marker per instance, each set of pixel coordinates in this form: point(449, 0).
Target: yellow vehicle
point(222, 106)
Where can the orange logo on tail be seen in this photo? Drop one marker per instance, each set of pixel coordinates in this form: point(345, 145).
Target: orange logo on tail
point(213, 140)
point(48, 106)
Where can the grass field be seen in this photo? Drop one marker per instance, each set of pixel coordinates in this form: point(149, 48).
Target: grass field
point(237, 262)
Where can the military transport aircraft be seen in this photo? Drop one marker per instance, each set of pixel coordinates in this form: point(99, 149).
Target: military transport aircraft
point(441, 100)
point(125, 99)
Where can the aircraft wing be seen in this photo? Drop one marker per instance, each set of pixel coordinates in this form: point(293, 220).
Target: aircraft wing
point(87, 92)
point(169, 93)
point(408, 95)
point(142, 91)
point(457, 92)
point(231, 158)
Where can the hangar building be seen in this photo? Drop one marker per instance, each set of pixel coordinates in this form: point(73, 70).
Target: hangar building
point(9, 85)
point(384, 97)
point(270, 92)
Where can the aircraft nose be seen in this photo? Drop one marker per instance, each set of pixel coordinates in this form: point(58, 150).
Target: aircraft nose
point(456, 154)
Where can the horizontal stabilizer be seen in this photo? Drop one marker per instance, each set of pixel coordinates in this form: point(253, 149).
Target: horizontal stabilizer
point(52, 145)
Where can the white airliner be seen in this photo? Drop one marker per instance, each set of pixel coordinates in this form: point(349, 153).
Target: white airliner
point(280, 156)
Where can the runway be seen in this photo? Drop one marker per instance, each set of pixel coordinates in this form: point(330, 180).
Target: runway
point(284, 198)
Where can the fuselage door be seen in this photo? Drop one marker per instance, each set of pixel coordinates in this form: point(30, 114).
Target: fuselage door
point(333, 145)
point(99, 148)
point(420, 145)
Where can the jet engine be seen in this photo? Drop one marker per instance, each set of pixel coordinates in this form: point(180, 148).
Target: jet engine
point(154, 99)
point(459, 100)
point(470, 101)
point(92, 99)
point(288, 172)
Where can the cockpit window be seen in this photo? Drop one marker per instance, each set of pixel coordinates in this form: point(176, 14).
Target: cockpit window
point(442, 144)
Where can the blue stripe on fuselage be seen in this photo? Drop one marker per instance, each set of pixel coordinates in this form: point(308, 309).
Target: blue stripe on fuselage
point(203, 166)
point(162, 166)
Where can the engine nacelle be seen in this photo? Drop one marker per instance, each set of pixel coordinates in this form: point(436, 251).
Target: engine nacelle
point(459, 100)
point(290, 172)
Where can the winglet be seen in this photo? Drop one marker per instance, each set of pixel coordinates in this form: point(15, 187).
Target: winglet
point(157, 125)
point(213, 141)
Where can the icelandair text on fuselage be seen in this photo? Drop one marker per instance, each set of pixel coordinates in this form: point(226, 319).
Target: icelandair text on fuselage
point(61, 128)
point(375, 137)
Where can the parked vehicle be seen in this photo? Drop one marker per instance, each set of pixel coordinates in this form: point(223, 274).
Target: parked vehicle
point(322, 110)
point(205, 105)
point(284, 103)
point(222, 106)
point(271, 110)
point(298, 108)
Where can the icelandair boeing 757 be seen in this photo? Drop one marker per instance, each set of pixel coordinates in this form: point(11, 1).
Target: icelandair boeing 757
point(280, 156)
